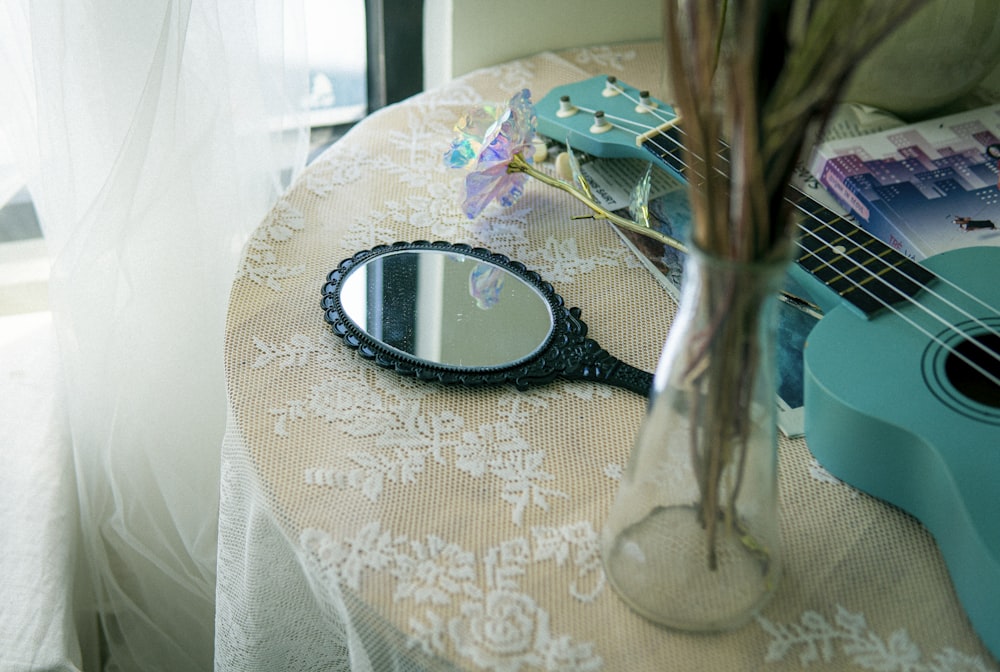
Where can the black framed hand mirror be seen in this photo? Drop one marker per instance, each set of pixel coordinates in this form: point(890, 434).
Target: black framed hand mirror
point(453, 313)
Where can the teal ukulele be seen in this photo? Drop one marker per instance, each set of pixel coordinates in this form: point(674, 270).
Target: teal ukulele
point(902, 373)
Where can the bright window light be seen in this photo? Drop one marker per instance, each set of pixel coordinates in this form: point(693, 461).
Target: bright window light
point(336, 38)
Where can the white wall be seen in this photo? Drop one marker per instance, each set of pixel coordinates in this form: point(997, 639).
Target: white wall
point(463, 35)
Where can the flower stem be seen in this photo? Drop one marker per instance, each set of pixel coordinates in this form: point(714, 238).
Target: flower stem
point(519, 165)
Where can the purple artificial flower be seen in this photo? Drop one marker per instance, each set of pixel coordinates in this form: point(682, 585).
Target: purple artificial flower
point(487, 138)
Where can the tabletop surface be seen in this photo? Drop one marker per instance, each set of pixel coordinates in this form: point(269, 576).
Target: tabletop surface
point(462, 525)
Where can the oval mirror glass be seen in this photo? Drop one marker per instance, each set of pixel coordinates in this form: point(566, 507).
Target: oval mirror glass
point(447, 309)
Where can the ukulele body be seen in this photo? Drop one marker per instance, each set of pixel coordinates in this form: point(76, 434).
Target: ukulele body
point(882, 414)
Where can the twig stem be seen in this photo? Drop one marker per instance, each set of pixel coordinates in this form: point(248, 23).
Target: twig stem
point(519, 165)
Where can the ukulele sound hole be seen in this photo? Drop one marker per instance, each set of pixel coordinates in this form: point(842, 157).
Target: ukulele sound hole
point(984, 352)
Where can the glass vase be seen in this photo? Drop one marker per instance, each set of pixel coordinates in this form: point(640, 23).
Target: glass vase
point(692, 540)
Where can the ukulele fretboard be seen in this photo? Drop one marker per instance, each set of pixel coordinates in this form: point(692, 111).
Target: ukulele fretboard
point(856, 265)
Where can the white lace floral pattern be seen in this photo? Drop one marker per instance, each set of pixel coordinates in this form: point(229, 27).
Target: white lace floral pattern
point(605, 58)
point(407, 436)
point(260, 262)
point(473, 605)
point(816, 639)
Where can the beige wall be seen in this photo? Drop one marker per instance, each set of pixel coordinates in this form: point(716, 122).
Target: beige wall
point(463, 35)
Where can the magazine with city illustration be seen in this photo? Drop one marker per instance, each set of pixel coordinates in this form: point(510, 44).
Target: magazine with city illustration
point(923, 188)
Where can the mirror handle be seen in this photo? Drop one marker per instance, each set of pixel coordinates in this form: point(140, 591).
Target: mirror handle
point(598, 365)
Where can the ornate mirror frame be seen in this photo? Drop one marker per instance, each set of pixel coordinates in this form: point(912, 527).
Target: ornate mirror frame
point(567, 352)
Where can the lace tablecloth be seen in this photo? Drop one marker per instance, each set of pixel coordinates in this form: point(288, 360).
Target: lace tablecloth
point(371, 521)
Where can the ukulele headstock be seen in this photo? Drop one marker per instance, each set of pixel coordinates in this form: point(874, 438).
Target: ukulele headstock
point(568, 114)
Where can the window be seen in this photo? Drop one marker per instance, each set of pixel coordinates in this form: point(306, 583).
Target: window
point(363, 54)
point(337, 43)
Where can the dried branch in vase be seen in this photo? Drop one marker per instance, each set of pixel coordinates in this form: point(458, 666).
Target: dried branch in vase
point(751, 80)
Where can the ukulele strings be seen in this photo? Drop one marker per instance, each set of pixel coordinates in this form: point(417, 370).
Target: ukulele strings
point(811, 215)
point(950, 326)
point(877, 277)
point(973, 340)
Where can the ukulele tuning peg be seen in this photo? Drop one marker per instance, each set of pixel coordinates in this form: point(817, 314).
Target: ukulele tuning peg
point(611, 87)
point(646, 103)
point(601, 124)
point(566, 108)
point(541, 149)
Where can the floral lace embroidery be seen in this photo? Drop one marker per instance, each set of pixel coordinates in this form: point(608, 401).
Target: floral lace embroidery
point(339, 167)
point(512, 76)
point(817, 639)
point(499, 627)
point(603, 57)
point(578, 542)
point(260, 261)
point(406, 435)
point(374, 229)
point(502, 231)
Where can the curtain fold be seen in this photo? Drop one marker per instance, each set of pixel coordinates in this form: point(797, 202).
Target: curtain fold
point(155, 136)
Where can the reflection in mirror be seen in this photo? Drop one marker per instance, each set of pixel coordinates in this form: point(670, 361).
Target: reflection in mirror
point(436, 306)
point(455, 314)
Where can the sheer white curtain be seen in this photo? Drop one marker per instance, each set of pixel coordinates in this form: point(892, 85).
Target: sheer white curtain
point(154, 136)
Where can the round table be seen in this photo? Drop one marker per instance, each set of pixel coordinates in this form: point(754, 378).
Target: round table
point(370, 520)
